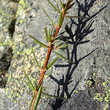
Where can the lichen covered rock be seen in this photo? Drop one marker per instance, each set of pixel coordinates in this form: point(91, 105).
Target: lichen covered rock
point(88, 48)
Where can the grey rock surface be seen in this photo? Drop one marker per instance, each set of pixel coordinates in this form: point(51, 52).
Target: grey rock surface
point(80, 101)
point(7, 21)
point(89, 48)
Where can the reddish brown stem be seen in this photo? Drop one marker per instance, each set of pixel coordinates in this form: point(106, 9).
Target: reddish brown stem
point(57, 30)
point(43, 70)
point(35, 95)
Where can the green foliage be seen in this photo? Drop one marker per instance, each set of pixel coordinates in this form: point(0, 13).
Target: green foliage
point(49, 17)
point(38, 42)
point(35, 58)
point(50, 36)
point(31, 101)
point(61, 4)
point(29, 84)
point(47, 34)
point(62, 57)
point(60, 20)
point(38, 98)
point(53, 6)
point(49, 65)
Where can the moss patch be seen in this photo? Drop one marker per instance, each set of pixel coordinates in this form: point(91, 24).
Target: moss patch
point(23, 5)
point(100, 90)
point(23, 61)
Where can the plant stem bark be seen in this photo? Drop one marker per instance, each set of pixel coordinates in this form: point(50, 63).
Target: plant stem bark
point(43, 70)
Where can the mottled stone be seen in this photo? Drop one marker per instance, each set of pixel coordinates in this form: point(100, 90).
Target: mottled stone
point(80, 101)
point(7, 23)
point(83, 35)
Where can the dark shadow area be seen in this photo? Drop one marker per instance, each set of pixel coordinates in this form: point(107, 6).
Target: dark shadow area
point(83, 28)
point(5, 63)
point(11, 28)
point(14, 1)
